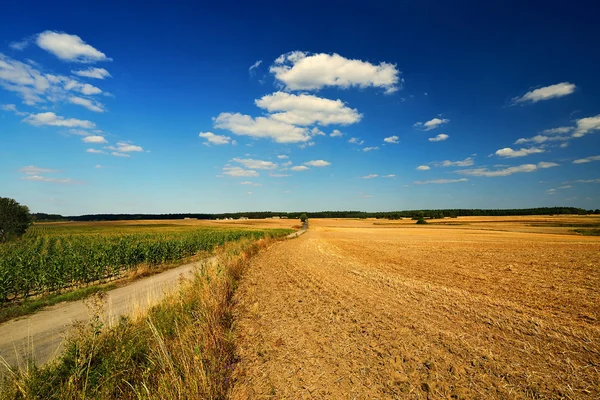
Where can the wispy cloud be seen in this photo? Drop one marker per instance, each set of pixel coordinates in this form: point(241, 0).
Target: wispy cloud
point(33, 170)
point(441, 181)
point(239, 172)
point(95, 73)
point(356, 141)
point(317, 163)
point(586, 160)
point(431, 124)
point(255, 164)
point(507, 171)
point(546, 93)
point(254, 66)
point(49, 118)
point(87, 103)
point(371, 148)
point(371, 176)
point(510, 153)
point(97, 139)
point(586, 125)
point(467, 162)
point(299, 168)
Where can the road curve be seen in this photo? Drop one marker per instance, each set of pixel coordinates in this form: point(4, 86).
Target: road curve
point(40, 336)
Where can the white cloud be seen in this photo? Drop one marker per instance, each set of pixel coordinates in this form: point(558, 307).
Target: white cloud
point(546, 93)
point(282, 157)
point(586, 160)
point(255, 164)
point(510, 153)
point(305, 145)
point(98, 166)
point(33, 170)
point(467, 162)
point(278, 175)
point(211, 138)
point(94, 139)
point(538, 139)
point(317, 163)
point(49, 118)
point(254, 66)
point(69, 47)
point(118, 154)
point(586, 125)
point(239, 172)
point(371, 148)
point(246, 183)
point(557, 131)
point(20, 45)
point(391, 139)
point(298, 168)
point(423, 168)
point(95, 151)
point(84, 88)
point(356, 141)
point(371, 176)
point(89, 104)
point(336, 133)
point(39, 178)
point(96, 73)
point(389, 176)
point(12, 108)
point(439, 138)
point(300, 71)
point(305, 109)
point(441, 181)
point(588, 180)
point(431, 124)
point(506, 171)
point(23, 79)
point(125, 147)
point(261, 127)
point(317, 132)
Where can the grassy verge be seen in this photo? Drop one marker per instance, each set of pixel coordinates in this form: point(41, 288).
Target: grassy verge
point(30, 306)
point(181, 348)
point(587, 232)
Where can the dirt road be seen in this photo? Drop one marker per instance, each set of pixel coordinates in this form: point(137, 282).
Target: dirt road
point(366, 312)
point(40, 336)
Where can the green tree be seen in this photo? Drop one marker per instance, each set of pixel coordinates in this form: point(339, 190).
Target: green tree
point(303, 218)
point(421, 221)
point(14, 219)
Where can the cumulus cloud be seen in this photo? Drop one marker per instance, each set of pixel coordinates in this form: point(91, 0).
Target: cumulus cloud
point(392, 139)
point(89, 104)
point(69, 47)
point(255, 164)
point(211, 138)
point(261, 127)
point(301, 71)
point(317, 163)
point(510, 153)
point(94, 139)
point(371, 148)
point(125, 147)
point(506, 171)
point(439, 138)
point(546, 93)
point(586, 125)
point(49, 118)
point(423, 168)
point(441, 181)
point(239, 172)
point(336, 133)
point(305, 109)
point(96, 73)
point(586, 160)
point(467, 162)
point(298, 168)
point(431, 124)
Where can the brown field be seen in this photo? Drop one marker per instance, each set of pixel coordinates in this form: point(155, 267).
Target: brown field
point(491, 308)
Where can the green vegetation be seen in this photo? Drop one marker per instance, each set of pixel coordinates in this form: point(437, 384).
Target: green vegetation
point(303, 218)
point(421, 221)
point(14, 219)
point(588, 232)
point(54, 257)
point(182, 348)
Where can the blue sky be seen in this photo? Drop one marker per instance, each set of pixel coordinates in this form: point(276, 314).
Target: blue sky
point(165, 107)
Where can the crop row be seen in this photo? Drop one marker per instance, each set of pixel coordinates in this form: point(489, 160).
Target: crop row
point(48, 263)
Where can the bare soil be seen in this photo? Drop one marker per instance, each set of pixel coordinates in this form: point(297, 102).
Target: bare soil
point(352, 309)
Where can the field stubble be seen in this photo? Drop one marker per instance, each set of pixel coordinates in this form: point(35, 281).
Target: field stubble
point(356, 310)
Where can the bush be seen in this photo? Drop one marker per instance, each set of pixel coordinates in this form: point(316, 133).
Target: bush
point(421, 221)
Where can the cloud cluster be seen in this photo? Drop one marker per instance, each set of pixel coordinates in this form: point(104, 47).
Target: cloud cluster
point(299, 70)
point(261, 127)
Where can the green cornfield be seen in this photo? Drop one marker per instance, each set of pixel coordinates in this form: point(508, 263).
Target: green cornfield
point(51, 258)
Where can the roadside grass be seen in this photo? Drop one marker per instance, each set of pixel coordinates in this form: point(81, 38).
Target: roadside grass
point(181, 348)
point(31, 305)
point(587, 232)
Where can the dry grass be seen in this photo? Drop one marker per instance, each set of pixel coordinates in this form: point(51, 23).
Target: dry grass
point(356, 310)
point(181, 348)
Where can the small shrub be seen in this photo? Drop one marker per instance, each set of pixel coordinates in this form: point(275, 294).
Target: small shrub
point(421, 221)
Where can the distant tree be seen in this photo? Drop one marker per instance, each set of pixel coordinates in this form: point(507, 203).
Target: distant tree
point(421, 221)
point(14, 219)
point(597, 211)
point(303, 218)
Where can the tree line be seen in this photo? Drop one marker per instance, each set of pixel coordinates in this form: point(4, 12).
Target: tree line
point(436, 213)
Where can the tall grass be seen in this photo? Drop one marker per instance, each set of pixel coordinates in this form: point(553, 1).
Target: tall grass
point(180, 349)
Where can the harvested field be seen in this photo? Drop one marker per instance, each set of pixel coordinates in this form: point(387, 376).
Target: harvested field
point(492, 309)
